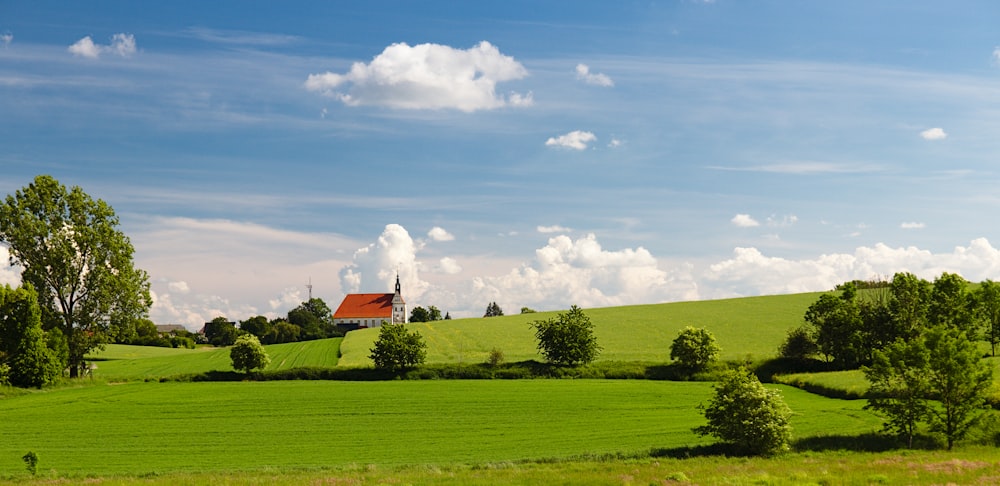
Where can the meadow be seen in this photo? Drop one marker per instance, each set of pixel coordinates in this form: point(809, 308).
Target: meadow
point(141, 428)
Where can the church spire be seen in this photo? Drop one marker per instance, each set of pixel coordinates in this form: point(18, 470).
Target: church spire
point(398, 287)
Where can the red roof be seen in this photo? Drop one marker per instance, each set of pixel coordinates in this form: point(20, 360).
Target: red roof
point(365, 306)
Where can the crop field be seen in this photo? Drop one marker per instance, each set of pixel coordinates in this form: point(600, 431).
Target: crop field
point(137, 362)
point(747, 327)
point(142, 428)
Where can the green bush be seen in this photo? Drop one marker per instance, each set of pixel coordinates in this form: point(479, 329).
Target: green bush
point(694, 348)
point(567, 339)
point(748, 416)
point(248, 354)
point(397, 349)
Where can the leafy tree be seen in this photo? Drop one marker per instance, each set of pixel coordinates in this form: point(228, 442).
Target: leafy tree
point(839, 326)
point(567, 339)
point(221, 332)
point(257, 325)
point(900, 387)
point(987, 311)
point(743, 413)
point(949, 303)
point(397, 349)
point(694, 348)
point(447, 316)
point(419, 314)
point(433, 313)
point(71, 251)
point(22, 341)
point(314, 318)
point(527, 310)
point(282, 331)
point(958, 379)
point(493, 310)
point(798, 344)
point(248, 354)
point(908, 304)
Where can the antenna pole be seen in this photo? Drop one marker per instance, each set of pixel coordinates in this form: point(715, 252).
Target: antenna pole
point(310, 287)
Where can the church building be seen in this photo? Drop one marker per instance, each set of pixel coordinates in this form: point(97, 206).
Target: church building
point(369, 310)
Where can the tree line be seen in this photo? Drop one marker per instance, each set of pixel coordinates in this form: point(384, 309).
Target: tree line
point(309, 321)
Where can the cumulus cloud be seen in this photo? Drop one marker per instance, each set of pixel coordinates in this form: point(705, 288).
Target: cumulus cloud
point(744, 221)
point(597, 79)
point(912, 225)
point(553, 229)
point(374, 267)
point(179, 287)
point(576, 140)
point(449, 266)
point(121, 44)
point(749, 272)
point(782, 221)
point(290, 297)
point(9, 275)
point(615, 143)
point(438, 233)
point(427, 76)
point(581, 272)
point(933, 134)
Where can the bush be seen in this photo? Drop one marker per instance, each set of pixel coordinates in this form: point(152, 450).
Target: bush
point(799, 344)
point(248, 354)
point(495, 358)
point(397, 349)
point(567, 339)
point(694, 348)
point(748, 416)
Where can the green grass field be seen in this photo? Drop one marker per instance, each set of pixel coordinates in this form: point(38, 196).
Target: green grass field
point(748, 327)
point(141, 428)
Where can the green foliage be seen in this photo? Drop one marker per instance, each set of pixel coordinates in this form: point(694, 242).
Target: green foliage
point(958, 379)
point(221, 332)
point(315, 320)
point(281, 332)
point(986, 309)
point(22, 341)
point(694, 348)
point(949, 304)
point(900, 387)
point(496, 358)
point(257, 325)
point(248, 354)
point(30, 462)
point(527, 310)
point(493, 310)
point(567, 339)
point(799, 344)
point(419, 314)
point(72, 253)
point(754, 419)
point(397, 349)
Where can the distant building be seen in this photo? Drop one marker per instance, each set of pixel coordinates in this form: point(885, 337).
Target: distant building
point(369, 310)
point(163, 329)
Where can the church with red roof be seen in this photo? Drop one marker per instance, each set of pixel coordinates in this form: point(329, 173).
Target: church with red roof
point(370, 310)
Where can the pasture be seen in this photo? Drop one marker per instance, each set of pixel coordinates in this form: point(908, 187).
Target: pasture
point(751, 327)
point(143, 428)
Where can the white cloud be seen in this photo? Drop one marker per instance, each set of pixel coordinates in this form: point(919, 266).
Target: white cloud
point(912, 225)
point(438, 233)
point(597, 79)
point(427, 76)
point(6, 38)
point(615, 143)
point(933, 134)
point(9, 275)
point(749, 272)
point(449, 266)
point(553, 229)
point(781, 222)
point(180, 287)
point(374, 267)
point(289, 298)
point(744, 221)
point(85, 48)
point(121, 44)
point(567, 272)
point(996, 55)
point(576, 140)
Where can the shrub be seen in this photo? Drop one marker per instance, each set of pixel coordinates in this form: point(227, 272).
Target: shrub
point(397, 349)
point(495, 358)
point(694, 348)
point(799, 344)
point(748, 416)
point(567, 339)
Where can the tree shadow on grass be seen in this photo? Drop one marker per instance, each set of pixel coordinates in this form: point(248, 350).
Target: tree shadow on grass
point(870, 442)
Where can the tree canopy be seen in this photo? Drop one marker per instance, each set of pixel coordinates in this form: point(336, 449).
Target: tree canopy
point(248, 354)
point(22, 342)
point(568, 338)
point(694, 348)
point(743, 413)
point(69, 248)
point(397, 349)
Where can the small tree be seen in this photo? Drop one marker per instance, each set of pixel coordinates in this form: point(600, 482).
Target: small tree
point(248, 354)
point(419, 314)
point(22, 341)
point(567, 339)
point(958, 379)
point(397, 349)
point(799, 344)
point(899, 386)
point(493, 310)
point(745, 414)
point(694, 348)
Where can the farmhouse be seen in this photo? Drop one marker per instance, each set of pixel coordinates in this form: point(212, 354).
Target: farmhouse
point(369, 310)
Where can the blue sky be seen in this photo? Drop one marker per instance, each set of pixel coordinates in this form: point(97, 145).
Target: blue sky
point(538, 154)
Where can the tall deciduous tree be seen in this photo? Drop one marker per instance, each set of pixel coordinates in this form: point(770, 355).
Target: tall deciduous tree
point(987, 310)
point(22, 342)
point(949, 304)
point(70, 249)
point(899, 386)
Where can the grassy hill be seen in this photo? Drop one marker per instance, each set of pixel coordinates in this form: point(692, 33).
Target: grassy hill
point(746, 327)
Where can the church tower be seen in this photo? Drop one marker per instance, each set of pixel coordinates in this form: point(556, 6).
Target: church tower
point(398, 305)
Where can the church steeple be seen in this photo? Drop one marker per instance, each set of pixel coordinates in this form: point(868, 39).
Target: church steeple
point(398, 287)
point(398, 304)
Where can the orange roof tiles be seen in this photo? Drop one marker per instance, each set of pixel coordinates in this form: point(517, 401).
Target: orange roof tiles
point(365, 306)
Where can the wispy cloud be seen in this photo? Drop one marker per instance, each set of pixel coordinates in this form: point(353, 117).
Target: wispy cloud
point(933, 134)
point(597, 79)
point(426, 76)
point(241, 37)
point(803, 168)
point(6, 38)
point(912, 225)
point(553, 229)
point(576, 140)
